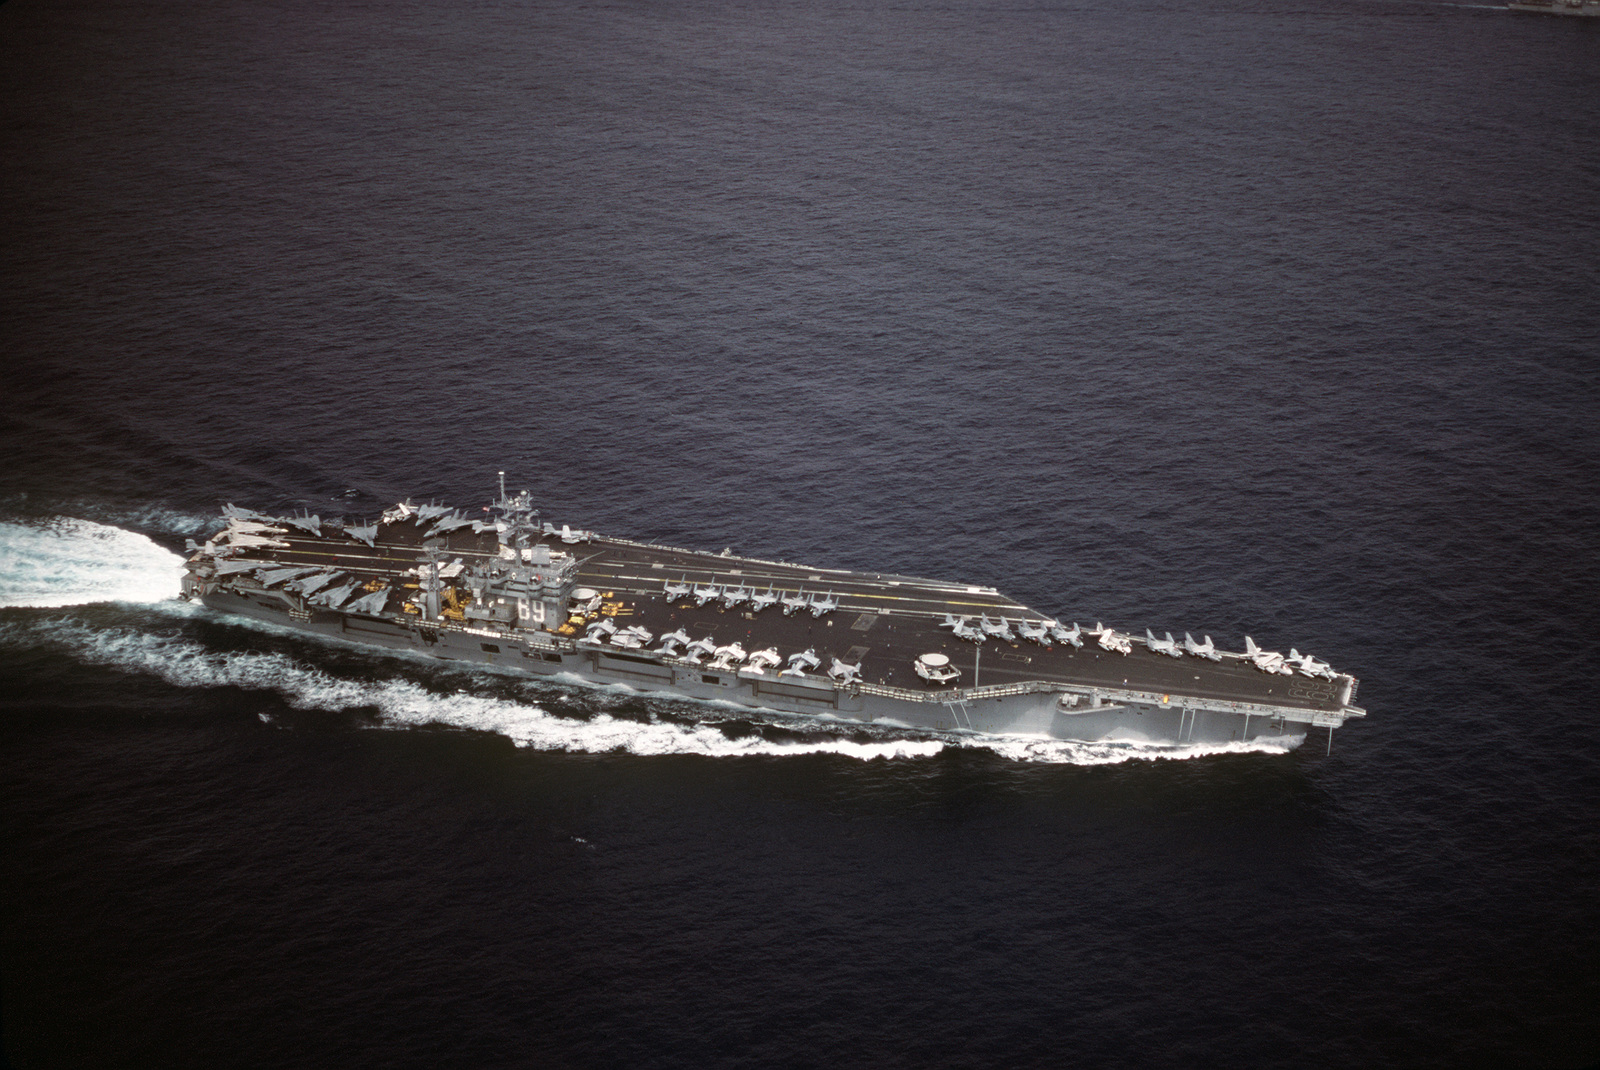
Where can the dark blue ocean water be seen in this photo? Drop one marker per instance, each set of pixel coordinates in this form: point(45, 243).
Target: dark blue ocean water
point(1226, 316)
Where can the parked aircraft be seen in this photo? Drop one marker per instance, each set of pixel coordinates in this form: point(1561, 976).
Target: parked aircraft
point(762, 599)
point(762, 660)
point(1207, 649)
point(801, 662)
point(823, 603)
point(1310, 666)
point(793, 602)
point(566, 533)
point(370, 603)
point(727, 657)
point(1110, 640)
point(1038, 633)
point(1073, 635)
point(670, 643)
point(1268, 661)
point(936, 669)
point(1001, 630)
point(1165, 646)
point(675, 591)
point(844, 674)
point(965, 629)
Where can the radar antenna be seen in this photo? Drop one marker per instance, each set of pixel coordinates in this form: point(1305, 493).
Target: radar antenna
point(522, 519)
point(431, 584)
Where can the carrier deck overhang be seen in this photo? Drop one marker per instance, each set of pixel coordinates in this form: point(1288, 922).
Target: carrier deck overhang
point(881, 622)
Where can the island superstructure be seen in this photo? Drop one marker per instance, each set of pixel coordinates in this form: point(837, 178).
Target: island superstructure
point(507, 590)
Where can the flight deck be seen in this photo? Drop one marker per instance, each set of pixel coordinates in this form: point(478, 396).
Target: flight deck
point(876, 625)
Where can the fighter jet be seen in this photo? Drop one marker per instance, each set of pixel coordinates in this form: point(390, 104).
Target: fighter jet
point(823, 603)
point(600, 630)
point(965, 629)
point(334, 597)
point(1037, 633)
point(1310, 666)
point(362, 533)
point(311, 525)
point(627, 641)
point(639, 632)
point(1207, 649)
point(275, 576)
point(428, 512)
point(1073, 635)
point(844, 674)
point(1110, 640)
point(370, 604)
point(231, 510)
point(732, 596)
point(1268, 661)
point(311, 584)
point(952, 621)
point(675, 591)
point(799, 663)
point(244, 540)
point(1165, 646)
point(999, 631)
point(762, 599)
point(727, 657)
point(700, 649)
point(762, 660)
point(669, 644)
point(704, 593)
point(448, 524)
point(793, 602)
point(237, 526)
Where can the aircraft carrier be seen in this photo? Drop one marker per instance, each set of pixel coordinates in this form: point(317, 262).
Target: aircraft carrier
point(502, 588)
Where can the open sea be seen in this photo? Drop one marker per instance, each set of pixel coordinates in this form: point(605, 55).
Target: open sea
point(1278, 317)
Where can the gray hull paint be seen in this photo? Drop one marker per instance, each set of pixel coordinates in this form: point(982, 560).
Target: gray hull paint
point(997, 711)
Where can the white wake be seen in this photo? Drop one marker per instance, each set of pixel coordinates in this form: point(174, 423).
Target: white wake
point(399, 703)
point(69, 562)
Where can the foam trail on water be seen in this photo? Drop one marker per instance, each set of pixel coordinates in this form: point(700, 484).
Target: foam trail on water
point(185, 663)
point(1061, 751)
point(70, 562)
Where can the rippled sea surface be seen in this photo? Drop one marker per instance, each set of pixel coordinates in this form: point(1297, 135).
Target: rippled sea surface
point(1223, 316)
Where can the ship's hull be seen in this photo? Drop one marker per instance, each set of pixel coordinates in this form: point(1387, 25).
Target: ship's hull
point(1004, 710)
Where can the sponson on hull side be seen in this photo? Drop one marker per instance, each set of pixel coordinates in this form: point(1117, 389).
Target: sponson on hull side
point(510, 591)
